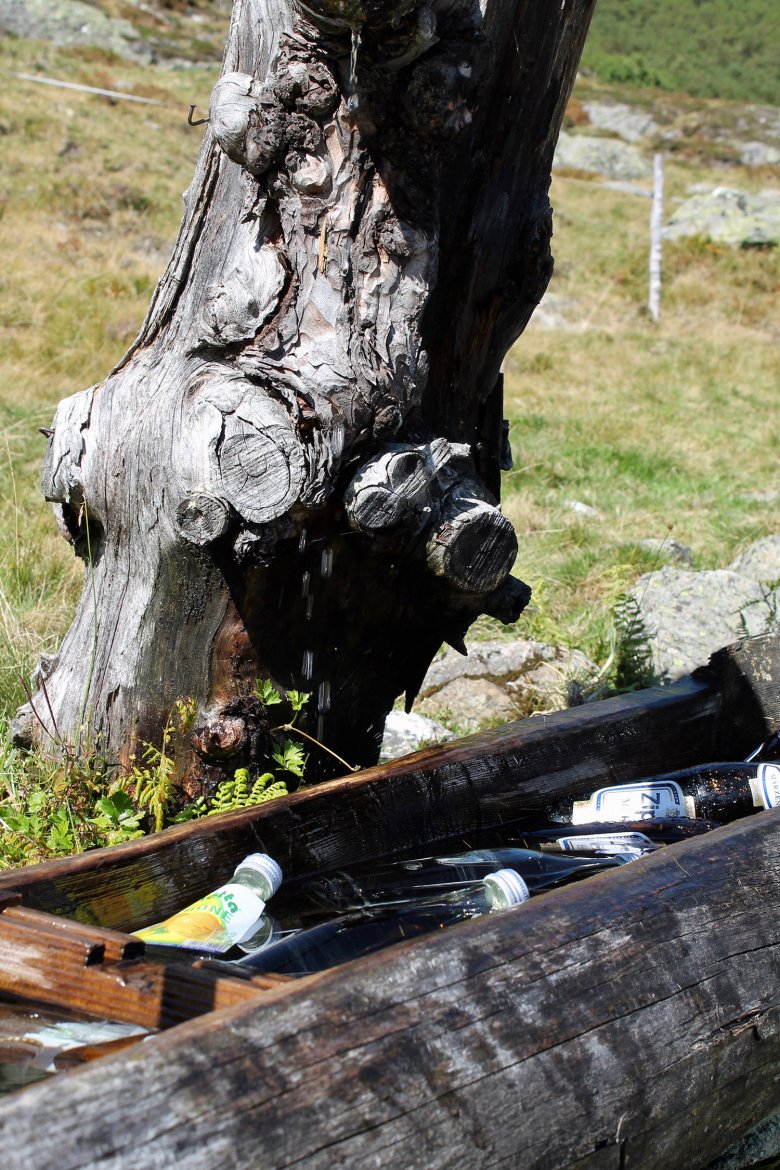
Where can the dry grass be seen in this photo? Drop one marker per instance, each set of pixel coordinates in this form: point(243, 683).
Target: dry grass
point(664, 429)
point(674, 425)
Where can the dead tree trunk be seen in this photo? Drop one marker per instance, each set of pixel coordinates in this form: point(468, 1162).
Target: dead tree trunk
point(293, 474)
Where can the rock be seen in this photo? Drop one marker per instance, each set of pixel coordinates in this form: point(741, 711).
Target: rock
point(554, 312)
point(731, 217)
point(688, 616)
point(758, 154)
point(408, 733)
point(511, 679)
point(553, 685)
point(627, 122)
point(470, 704)
point(760, 561)
point(602, 156)
point(582, 509)
point(668, 550)
point(499, 661)
point(69, 22)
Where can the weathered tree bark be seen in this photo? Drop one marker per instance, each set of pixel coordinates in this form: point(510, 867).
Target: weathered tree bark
point(294, 472)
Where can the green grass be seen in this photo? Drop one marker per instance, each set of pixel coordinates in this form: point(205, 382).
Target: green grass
point(710, 48)
point(90, 203)
point(668, 429)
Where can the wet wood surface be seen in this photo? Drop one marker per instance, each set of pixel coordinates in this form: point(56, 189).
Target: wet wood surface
point(631, 1021)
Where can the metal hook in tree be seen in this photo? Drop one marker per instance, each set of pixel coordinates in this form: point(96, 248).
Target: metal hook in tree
point(196, 121)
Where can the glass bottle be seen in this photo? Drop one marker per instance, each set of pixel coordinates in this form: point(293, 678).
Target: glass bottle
point(224, 917)
point(719, 792)
point(351, 936)
point(768, 749)
point(604, 838)
point(400, 881)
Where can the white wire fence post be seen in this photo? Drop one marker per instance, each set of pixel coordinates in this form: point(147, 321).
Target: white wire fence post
point(656, 228)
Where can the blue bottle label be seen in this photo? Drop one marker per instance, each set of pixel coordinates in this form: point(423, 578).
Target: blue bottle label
point(607, 844)
point(768, 784)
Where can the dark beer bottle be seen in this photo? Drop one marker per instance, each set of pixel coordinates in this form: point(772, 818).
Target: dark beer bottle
point(351, 936)
point(719, 792)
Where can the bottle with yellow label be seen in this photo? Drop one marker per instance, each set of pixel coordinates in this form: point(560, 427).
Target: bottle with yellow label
point(226, 916)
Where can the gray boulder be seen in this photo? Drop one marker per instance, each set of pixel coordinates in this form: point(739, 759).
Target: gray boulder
point(758, 154)
point(555, 311)
point(687, 616)
point(627, 122)
point(668, 550)
point(601, 156)
point(499, 681)
point(408, 733)
point(470, 704)
point(760, 561)
point(731, 217)
point(69, 22)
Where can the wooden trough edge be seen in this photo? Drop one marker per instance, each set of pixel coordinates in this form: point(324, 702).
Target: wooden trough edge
point(720, 712)
point(452, 789)
point(630, 1022)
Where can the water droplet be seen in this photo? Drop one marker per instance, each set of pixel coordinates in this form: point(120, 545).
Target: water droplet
point(337, 439)
point(309, 607)
point(302, 541)
point(308, 664)
point(305, 583)
point(353, 101)
point(323, 697)
point(326, 563)
point(321, 727)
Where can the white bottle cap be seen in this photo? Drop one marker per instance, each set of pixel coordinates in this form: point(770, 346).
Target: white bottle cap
point(263, 864)
point(510, 887)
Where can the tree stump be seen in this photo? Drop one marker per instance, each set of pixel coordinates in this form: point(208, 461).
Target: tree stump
point(294, 472)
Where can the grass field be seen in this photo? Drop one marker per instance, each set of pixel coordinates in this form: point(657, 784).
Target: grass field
point(711, 48)
point(666, 430)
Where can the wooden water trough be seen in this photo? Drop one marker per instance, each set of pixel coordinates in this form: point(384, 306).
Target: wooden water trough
point(628, 1021)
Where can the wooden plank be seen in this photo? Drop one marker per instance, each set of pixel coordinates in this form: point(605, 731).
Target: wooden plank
point(629, 1021)
point(455, 788)
point(64, 964)
point(115, 945)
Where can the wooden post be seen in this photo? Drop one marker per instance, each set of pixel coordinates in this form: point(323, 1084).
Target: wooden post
point(656, 227)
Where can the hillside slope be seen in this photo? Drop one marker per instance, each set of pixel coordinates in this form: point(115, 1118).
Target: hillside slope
point(708, 48)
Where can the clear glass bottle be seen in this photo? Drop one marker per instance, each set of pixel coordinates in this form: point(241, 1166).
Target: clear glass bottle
point(221, 919)
point(351, 936)
point(399, 881)
point(719, 792)
point(602, 838)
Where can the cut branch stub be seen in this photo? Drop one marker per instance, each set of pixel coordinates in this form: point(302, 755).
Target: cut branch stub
point(232, 110)
point(220, 737)
point(391, 493)
point(261, 464)
point(63, 473)
point(202, 517)
point(475, 546)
